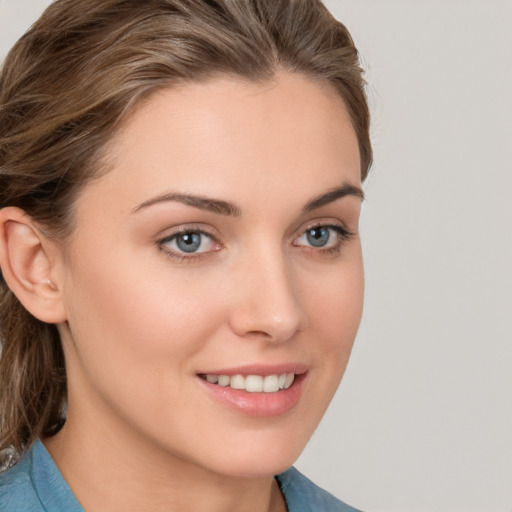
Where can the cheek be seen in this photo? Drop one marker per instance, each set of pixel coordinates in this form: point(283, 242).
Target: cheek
point(335, 306)
point(130, 326)
point(335, 312)
point(334, 303)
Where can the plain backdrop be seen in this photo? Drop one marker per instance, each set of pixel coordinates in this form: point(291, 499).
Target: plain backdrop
point(423, 419)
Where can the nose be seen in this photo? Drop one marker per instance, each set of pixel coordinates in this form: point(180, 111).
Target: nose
point(267, 301)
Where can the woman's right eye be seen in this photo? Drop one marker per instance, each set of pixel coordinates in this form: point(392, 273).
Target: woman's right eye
point(188, 243)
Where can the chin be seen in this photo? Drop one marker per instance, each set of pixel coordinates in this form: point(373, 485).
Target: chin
point(260, 459)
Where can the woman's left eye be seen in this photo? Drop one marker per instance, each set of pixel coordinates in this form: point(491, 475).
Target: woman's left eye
point(323, 237)
point(189, 242)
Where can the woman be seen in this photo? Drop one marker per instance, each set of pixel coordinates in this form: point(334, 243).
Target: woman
point(182, 284)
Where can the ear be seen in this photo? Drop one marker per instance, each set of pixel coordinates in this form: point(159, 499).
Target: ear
point(30, 264)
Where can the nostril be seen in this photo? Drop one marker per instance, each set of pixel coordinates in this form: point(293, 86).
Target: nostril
point(259, 334)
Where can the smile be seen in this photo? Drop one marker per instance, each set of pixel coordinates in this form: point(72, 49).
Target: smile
point(256, 390)
point(253, 383)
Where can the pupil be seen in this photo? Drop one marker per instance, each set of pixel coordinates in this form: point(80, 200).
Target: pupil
point(189, 242)
point(318, 237)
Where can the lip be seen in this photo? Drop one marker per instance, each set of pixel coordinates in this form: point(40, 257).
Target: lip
point(260, 405)
point(258, 369)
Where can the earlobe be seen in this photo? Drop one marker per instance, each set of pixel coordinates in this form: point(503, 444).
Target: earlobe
point(27, 266)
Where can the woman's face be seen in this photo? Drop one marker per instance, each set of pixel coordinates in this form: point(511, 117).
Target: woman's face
point(221, 251)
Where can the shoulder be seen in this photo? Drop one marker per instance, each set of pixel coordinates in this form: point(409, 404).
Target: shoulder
point(35, 484)
point(17, 492)
point(302, 495)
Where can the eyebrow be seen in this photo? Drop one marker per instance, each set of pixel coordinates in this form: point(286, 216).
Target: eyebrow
point(226, 208)
point(346, 189)
point(201, 202)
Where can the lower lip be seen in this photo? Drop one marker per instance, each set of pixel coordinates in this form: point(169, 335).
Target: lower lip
point(261, 405)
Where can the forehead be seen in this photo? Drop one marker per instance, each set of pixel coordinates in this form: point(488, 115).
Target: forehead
point(289, 134)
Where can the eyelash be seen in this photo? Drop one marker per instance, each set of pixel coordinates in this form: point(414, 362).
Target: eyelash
point(182, 256)
point(344, 235)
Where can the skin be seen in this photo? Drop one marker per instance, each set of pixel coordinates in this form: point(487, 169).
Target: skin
point(141, 321)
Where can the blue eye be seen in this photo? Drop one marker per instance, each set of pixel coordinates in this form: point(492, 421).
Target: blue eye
point(324, 237)
point(189, 242)
point(318, 237)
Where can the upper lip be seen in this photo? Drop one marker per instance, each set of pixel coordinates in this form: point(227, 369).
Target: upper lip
point(259, 369)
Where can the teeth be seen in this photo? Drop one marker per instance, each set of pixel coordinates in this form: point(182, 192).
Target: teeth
point(223, 380)
point(289, 380)
point(271, 384)
point(254, 383)
point(237, 382)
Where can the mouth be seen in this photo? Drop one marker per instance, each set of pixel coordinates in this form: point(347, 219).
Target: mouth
point(257, 391)
point(252, 383)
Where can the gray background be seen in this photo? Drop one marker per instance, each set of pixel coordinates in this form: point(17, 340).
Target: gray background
point(423, 419)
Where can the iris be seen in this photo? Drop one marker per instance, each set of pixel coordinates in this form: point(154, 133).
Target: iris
point(188, 242)
point(318, 237)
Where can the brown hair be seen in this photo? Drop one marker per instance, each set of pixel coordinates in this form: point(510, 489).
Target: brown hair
point(65, 87)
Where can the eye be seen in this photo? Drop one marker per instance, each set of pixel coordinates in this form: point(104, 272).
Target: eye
point(188, 242)
point(318, 237)
point(324, 237)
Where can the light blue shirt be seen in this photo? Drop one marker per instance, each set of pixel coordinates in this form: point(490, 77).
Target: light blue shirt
point(35, 484)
